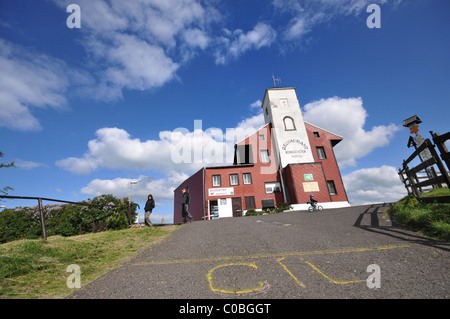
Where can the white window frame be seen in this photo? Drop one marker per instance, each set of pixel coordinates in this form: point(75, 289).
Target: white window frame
point(272, 186)
point(215, 179)
point(247, 178)
point(264, 156)
point(234, 179)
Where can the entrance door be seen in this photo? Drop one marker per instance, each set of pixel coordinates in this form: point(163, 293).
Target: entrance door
point(213, 209)
point(236, 203)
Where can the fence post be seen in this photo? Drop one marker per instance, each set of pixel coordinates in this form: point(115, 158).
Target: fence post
point(41, 214)
point(442, 148)
point(439, 163)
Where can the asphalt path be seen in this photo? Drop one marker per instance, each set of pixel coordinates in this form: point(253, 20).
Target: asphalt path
point(355, 252)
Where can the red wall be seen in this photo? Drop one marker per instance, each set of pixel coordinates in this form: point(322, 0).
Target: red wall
point(195, 184)
point(297, 172)
point(330, 165)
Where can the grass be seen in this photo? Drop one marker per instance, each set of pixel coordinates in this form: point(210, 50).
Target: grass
point(37, 268)
point(430, 219)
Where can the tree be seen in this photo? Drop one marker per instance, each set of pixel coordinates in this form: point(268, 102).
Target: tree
point(5, 189)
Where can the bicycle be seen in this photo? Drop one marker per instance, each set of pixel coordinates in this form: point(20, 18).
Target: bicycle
point(312, 208)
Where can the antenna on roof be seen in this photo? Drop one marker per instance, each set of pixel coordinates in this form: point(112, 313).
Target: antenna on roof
point(275, 80)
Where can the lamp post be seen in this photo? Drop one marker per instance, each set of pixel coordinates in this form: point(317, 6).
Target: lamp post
point(131, 186)
point(129, 203)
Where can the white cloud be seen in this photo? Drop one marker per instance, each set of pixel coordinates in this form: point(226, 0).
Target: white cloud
point(196, 38)
point(236, 43)
point(374, 185)
point(161, 189)
point(28, 80)
point(305, 15)
point(347, 117)
point(139, 45)
point(137, 65)
point(27, 164)
point(256, 105)
point(178, 150)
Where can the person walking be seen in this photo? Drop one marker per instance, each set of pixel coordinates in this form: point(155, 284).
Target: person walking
point(185, 206)
point(149, 205)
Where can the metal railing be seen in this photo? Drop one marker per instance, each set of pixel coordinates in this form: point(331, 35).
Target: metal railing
point(41, 209)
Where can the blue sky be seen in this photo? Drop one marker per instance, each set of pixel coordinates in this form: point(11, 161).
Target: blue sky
point(83, 111)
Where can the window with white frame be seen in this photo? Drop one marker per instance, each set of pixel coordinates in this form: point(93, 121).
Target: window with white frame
point(234, 179)
point(216, 180)
point(272, 187)
point(264, 156)
point(247, 177)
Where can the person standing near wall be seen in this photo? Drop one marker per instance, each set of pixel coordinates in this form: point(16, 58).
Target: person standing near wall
point(185, 205)
point(149, 205)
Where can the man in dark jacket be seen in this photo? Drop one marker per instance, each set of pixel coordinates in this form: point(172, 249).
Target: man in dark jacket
point(149, 205)
point(185, 205)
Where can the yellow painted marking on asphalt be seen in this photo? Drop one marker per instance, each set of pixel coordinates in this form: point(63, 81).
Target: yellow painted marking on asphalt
point(317, 252)
point(245, 291)
point(288, 271)
point(331, 279)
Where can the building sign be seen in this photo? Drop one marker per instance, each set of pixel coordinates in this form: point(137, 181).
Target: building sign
point(308, 177)
point(224, 191)
point(311, 187)
point(295, 148)
point(425, 154)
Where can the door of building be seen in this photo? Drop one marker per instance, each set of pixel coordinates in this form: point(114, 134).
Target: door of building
point(236, 203)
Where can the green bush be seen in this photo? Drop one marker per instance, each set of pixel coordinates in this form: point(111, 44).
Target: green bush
point(280, 208)
point(63, 219)
point(431, 219)
point(252, 212)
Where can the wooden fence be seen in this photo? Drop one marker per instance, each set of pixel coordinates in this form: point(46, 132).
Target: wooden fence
point(414, 182)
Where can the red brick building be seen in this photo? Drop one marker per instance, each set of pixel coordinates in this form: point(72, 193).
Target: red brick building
point(285, 161)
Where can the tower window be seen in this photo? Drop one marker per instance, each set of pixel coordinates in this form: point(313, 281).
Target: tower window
point(289, 124)
point(283, 102)
point(316, 134)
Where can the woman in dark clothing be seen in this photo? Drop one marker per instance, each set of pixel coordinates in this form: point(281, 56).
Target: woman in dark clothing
point(149, 205)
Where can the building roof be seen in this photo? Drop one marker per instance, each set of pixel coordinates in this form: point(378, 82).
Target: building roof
point(334, 138)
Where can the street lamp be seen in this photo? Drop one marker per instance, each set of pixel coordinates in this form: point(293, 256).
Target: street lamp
point(131, 185)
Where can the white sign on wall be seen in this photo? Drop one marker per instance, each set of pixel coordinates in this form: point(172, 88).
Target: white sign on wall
point(224, 191)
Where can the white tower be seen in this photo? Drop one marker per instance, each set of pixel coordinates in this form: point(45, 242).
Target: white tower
point(282, 109)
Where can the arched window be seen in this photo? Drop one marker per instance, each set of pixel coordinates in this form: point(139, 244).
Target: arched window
point(289, 124)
